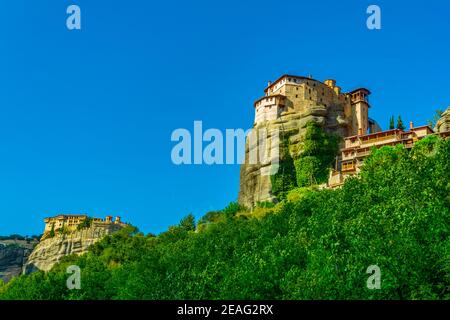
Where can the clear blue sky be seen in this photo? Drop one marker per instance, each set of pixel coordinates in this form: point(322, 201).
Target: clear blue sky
point(86, 116)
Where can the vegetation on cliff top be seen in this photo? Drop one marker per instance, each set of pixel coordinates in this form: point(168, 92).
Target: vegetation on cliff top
point(316, 244)
point(86, 224)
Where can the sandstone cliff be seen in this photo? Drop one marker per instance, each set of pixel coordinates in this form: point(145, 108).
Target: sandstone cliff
point(255, 186)
point(13, 256)
point(49, 251)
point(443, 124)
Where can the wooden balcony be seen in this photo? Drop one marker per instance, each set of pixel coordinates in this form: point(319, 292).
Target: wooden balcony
point(361, 154)
point(380, 140)
point(350, 166)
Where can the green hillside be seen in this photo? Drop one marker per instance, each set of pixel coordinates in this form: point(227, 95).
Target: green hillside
point(315, 244)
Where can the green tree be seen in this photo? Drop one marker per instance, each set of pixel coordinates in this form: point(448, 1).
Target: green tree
point(52, 231)
point(210, 217)
point(85, 224)
point(232, 208)
point(391, 123)
point(188, 223)
point(400, 124)
point(318, 152)
point(317, 244)
point(309, 171)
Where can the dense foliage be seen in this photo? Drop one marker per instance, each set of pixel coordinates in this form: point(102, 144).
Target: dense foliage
point(400, 124)
point(311, 162)
point(318, 152)
point(85, 224)
point(285, 179)
point(317, 244)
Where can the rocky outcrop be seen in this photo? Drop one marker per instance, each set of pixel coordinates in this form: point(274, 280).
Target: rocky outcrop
point(443, 124)
point(288, 105)
point(255, 186)
point(49, 251)
point(13, 256)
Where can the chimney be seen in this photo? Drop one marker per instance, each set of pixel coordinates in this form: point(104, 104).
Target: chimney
point(108, 219)
point(269, 83)
point(411, 125)
point(117, 220)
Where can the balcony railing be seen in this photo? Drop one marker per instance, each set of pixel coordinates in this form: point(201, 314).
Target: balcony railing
point(348, 167)
point(363, 153)
point(348, 156)
point(376, 140)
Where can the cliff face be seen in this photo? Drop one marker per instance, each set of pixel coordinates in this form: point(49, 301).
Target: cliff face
point(49, 251)
point(256, 186)
point(13, 255)
point(443, 124)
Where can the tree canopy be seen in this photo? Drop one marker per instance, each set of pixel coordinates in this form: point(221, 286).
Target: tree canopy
point(317, 244)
